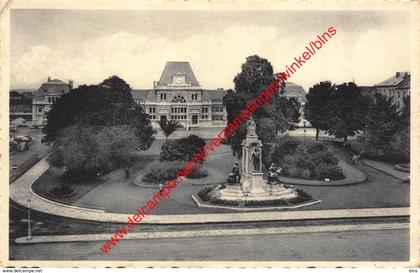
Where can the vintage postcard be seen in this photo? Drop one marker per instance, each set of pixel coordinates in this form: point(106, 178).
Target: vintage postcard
point(209, 134)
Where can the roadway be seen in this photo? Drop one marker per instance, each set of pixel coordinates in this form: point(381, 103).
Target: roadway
point(382, 245)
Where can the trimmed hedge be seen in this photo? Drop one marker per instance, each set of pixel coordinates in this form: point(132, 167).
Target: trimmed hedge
point(224, 202)
point(255, 203)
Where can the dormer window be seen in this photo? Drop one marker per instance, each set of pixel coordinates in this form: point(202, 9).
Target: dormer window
point(194, 97)
point(162, 96)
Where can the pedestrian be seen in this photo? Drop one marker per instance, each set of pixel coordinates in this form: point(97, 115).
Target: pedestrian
point(160, 187)
point(353, 159)
point(127, 172)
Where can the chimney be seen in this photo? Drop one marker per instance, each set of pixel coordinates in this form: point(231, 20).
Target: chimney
point(49, 78)
point(71, 84)
point(398, 74)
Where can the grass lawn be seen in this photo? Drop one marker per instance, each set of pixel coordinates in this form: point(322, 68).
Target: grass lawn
point(46, 182)
point(118, 194)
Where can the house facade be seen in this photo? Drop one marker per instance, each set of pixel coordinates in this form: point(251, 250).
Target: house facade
point(397, 87)
point(20, 103)
point(44, 98)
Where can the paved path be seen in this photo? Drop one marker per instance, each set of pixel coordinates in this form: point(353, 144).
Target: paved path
point(213, 233)
point(21, 191)
point(386, 168)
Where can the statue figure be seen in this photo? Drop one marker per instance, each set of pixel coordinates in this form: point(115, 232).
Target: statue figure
point(252, 127)
point(236, 172)
point(255, 157)
point(274, 173)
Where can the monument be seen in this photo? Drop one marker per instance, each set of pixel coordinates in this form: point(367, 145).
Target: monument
point(252, 185)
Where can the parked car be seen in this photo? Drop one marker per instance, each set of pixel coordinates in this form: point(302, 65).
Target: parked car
point(23, 138)
point(13, 146)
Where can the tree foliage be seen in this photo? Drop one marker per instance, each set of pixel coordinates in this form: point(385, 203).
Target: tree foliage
point(169, 126)
point(109, 103)
point(318, 100)
point(181, 149)
point(346, 111)
point(256, 75)
point(84, 151)
point(382, 121)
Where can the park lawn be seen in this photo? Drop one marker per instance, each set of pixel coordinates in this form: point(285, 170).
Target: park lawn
point(48, 180)
point(119, 195)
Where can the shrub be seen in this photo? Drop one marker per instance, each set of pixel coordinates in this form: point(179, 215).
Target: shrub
point(301, 198)
point(204, 194)
point(159, 172)
point(181, 149)
point(62, 191)
point(328, 171)
point(396, 151)
point(305, 159)
point(198, 172)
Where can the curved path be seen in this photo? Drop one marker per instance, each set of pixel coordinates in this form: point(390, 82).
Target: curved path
point(21, 192)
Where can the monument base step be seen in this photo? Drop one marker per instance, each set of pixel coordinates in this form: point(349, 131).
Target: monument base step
point(268, 192)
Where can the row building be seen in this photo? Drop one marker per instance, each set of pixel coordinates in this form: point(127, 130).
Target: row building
point(397, 87)
point(177, 95)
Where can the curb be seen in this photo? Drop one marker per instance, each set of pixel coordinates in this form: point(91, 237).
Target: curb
point(381, 170)
point(213, 233)
point(202, 205)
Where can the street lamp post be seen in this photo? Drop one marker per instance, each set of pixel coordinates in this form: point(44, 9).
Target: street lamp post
point(29, 220)
point(14, 167)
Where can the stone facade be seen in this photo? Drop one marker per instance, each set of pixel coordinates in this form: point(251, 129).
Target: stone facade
point(179, 96)
point(397, 87)
point(45, 96)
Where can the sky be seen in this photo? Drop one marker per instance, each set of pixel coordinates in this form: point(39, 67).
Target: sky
point(88, 46)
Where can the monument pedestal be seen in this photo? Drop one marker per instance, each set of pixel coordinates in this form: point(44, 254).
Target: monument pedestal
point(252, 184)
point(254, 187)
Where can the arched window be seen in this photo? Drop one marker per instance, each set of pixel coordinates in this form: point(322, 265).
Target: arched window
point(178, 99)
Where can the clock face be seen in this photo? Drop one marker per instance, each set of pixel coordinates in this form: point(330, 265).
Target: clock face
point(179, 79)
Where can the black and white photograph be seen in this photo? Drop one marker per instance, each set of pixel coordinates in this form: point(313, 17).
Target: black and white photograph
point(232, 134)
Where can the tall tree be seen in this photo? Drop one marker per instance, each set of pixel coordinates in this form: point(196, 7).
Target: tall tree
point(85, 150)
point(109, 103)
point(405, 112)
point(382, 121)
point(169, 126)
point(233, 103)
point(256, 75)
point(346, 111)
point(317, 100)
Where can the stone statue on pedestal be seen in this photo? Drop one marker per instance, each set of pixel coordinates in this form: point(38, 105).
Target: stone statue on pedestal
point(251, 128)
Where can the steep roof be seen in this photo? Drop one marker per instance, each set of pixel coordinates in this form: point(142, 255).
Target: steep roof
point(180, 67)
point(213, 94)
point(294, 90)
point(394, 80)
point(405, 84)
point(52, 86)
point(140, 94)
